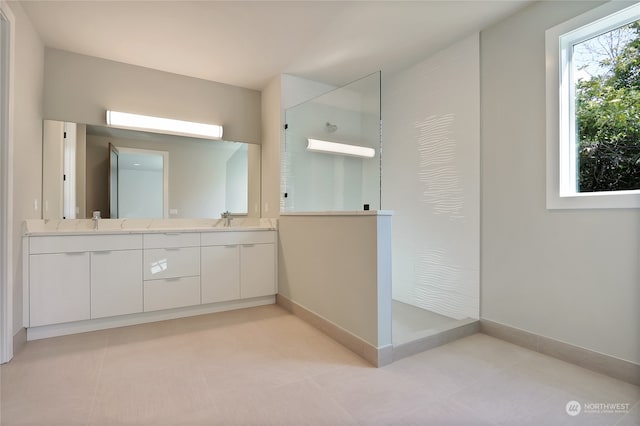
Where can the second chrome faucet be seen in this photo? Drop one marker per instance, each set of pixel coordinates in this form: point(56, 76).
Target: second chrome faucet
point(227, 218)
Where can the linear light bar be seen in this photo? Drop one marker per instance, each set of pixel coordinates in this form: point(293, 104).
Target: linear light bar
point(340, 148)
point(125, 120)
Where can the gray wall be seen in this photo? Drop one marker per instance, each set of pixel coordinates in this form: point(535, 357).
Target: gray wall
point(271, 130)
point(339, 267)
point(81, 88)
point(569, 275)
point(27, 141)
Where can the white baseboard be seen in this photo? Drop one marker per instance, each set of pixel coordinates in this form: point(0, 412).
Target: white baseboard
point(377, 356)
point(19, 340)
point(591, 360)
point(42, 332)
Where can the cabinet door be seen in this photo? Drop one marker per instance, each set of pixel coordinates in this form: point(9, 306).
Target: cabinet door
point(257, 271)
point(116, 283)
point(58, 288)
point(220, 273)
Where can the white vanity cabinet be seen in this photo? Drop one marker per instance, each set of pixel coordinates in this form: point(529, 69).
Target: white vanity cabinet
point(116, 283)
point(238, 265)
point(59, 288)
point(258, 270)
point(73, 278)
point(82, 280)
point(220, 277)
point(171, 270)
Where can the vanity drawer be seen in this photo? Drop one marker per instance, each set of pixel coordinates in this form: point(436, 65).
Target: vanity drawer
point(171, 240)
point(171, 263)
point(237, 238)
point(82, 243)
point(171, 293)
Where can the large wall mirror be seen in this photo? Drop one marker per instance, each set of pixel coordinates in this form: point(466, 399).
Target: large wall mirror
point(134, 174)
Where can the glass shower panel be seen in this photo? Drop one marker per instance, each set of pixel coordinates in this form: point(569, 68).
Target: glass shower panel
point(315, 180)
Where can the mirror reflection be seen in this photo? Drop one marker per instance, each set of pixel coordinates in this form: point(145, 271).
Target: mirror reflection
point(138, 183)
point(134, 174)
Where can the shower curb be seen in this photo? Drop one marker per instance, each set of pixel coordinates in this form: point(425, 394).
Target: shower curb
point(440, 338)
point(378, 357)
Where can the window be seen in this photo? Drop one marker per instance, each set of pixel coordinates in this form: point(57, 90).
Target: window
point(593, 110)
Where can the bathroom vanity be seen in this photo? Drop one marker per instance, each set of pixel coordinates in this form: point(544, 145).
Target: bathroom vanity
point(77, 278)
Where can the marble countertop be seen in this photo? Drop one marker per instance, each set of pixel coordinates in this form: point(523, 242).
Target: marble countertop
point(136, 226)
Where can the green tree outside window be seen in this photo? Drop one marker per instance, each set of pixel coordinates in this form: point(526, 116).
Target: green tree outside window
point(608, 111)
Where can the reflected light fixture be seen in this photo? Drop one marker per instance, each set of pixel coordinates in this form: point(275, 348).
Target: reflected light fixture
point(125, 120)
point(340, 148)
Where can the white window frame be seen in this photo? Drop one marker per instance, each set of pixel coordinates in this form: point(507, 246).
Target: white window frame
point(560, 95)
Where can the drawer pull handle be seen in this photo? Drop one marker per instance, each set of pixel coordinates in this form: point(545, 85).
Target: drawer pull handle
point(231, 246)
point(75, 253)
point(172, 234)
point(172, 249)
point(248, 245)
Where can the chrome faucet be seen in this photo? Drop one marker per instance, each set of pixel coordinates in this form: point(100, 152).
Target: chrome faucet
point(96, 218)
point(227, 218)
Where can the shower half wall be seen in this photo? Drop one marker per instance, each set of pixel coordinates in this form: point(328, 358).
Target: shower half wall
point(429, 179)
point(334, 248)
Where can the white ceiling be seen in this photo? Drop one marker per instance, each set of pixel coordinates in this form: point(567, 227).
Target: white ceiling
point(248, 43)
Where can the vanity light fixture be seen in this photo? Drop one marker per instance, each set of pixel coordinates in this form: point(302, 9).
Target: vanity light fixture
point(340, 148)
point(125, 120)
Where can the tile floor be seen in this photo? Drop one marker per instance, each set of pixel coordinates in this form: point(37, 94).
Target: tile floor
point(263, 366)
